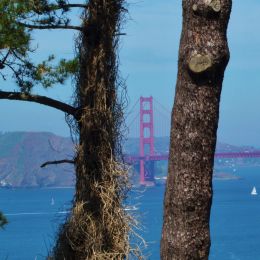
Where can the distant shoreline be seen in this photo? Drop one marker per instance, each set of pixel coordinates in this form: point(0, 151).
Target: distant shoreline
point(36, 187)
point(222, 176)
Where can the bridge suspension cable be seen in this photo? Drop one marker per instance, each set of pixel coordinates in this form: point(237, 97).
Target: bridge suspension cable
point(132, 122)
point(132, 109)
point(162, 106)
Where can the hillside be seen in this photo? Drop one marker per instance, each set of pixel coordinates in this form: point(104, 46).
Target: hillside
point(22, 153)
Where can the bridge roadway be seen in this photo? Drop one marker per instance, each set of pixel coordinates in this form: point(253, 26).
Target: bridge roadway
point(164, 157)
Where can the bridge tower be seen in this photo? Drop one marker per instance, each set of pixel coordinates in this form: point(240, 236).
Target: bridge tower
point(146, 140)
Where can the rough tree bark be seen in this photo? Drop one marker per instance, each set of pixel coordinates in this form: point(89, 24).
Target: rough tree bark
point(203, 57)
point(98, 226)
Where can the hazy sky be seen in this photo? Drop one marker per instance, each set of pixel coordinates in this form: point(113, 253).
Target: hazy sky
point(148, 62)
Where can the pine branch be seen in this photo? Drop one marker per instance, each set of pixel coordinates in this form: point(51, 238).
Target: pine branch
point(40, 100)
point(50, 27)
point(71, 5)
point(57, 162)
point(2, 62)
point(54, 7)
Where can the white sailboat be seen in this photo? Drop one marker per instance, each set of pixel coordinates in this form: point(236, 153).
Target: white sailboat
point(254, 192)
point(52, 201)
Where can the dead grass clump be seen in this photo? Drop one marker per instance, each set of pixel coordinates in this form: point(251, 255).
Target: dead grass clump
point(102, 233)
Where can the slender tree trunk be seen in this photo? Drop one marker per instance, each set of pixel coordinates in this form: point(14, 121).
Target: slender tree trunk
point(203, 56)
point(98, 227)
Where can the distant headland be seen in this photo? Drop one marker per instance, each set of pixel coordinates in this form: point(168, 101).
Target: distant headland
point(22, 154)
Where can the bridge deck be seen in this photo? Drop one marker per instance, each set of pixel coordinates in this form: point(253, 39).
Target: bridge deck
point(164, 157)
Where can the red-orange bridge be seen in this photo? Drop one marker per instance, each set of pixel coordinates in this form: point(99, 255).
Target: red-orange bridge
point(147, 154)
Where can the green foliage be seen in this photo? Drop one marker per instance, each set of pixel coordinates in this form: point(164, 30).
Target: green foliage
point(17, 20)
point(13, 35)
point(3, 220)
point(46, 73)
point(49, 75)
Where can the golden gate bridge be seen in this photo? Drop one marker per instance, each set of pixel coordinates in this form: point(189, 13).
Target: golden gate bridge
point(145, 121)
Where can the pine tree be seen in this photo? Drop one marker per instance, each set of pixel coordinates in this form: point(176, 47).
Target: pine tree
point(98, 226)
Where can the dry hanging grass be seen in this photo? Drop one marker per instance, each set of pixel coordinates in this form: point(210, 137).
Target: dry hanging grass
point(98, 226)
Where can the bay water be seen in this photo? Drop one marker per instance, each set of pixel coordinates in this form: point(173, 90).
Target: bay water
point(35, 214)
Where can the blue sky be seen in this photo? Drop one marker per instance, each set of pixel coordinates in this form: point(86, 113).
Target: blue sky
point(148, 62)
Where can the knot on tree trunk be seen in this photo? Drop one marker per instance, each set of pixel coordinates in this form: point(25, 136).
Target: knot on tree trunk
point(207, 7)
point(200, 63)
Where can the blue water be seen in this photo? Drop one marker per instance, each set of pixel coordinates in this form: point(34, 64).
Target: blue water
point(235, 219)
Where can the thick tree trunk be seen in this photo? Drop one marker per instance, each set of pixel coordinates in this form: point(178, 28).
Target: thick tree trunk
point(98, 227)
point(203, 56)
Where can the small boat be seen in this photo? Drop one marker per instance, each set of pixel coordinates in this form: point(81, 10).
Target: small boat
point(254, 192)
point(52, 201)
